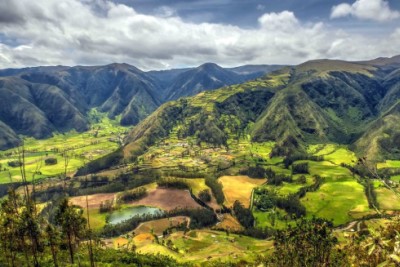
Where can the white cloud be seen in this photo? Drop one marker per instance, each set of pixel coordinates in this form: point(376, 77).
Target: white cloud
point(87, 32)
point(377, 10)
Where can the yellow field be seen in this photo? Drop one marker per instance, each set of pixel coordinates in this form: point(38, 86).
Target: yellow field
point(387, 199)
point(158, 226)
point(239, 188)
point(229, 223)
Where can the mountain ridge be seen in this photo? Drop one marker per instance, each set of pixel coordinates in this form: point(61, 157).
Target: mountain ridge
point(39, 101)
point(317, 101)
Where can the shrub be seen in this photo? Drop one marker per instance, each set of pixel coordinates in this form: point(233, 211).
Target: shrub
point(14, 163)
point(50, 161)
point(172, 183)
point(244, 216)
point(216, 188)
point(132, 195)
point(300, 168)
point(205, 195)
point(302, 179)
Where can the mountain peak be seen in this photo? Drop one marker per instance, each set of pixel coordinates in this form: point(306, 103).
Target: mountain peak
point(209, 66)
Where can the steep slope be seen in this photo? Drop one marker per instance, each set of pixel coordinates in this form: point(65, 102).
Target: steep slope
point(166, 77)
point(211, 116)
point(208, 76)
point(19, 112)
point(318, 101)
point(323, 101)
point(39, 101)
point(250, 72)
point(57, 98)
point(8, 138)
point(392, 83)
point(382, 139)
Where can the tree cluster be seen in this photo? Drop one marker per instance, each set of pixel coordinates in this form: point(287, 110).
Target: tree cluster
point(216, 188)
point(244, 215)
point(131, 195)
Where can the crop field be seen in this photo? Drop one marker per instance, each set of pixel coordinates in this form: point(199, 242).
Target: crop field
point(93, 200)
point(229, 223)
point(239, 188)
point(340, 200)
point(273, 219)
point(389, 164)
point(387, 199)
point(334, 153)
point(80, 148)
point(198, 185)
point(395, 178)
point(173, 153)
point(167, 199)
point(158, 226)
point(203, 245)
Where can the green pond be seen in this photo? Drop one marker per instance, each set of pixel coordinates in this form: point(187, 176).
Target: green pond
point(127, 213)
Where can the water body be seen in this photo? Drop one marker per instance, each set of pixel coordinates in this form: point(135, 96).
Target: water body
point(127, 213)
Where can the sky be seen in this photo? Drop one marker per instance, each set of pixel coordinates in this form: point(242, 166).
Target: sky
point(155, 34)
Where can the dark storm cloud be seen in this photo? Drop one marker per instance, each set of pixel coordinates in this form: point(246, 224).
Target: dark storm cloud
point(10, 13)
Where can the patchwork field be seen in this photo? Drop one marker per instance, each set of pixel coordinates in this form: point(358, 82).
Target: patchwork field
point(239, 188)
point(203, 245)
point(80, 148)
point(198, 185)
point(334, 153)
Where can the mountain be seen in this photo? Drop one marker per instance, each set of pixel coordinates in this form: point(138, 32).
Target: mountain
point(319, 101)
point(208, 76)
point(39, 101)
point(250, 72)
point(42, 100)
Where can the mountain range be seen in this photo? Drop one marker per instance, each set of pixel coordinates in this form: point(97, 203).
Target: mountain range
point(320, 101)
point(42, 100)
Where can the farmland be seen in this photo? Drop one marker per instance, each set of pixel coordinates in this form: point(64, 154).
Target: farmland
point(70, 151)
point(239, 188)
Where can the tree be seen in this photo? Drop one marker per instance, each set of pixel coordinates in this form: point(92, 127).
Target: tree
point(309, 243)
point(205, 195)
point(50, 161)
point(244, 216)
point(52, 236)
point(69, 218)
point(302, 179)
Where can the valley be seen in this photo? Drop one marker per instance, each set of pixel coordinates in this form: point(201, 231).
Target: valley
point(219, 176)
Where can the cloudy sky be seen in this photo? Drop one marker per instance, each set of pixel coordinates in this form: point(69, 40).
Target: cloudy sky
point(155, 34)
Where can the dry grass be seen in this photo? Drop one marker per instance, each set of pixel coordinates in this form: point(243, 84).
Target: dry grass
point(158, 226)
point(120, 242)
point(239, 188)
point(229, 223)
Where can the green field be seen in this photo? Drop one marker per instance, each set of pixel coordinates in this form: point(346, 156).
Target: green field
point(389, 164)
point(80, 148)
point(339, 201)
point(387, 199)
